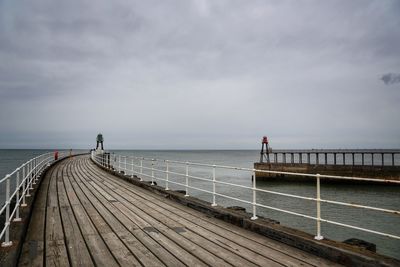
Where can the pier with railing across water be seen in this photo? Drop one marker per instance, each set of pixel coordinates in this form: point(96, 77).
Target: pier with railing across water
point(110, 209)
point(368, 163)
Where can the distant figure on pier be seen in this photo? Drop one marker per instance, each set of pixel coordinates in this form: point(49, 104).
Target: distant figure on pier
point(99, 141)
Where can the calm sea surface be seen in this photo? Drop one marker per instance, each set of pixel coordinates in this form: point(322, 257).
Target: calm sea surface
point(382, 196)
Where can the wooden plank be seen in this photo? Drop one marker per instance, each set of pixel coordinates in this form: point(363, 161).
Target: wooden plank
point(103, 192)
point(77, 249)
point(120, 252)
point(218, 236)
point(301, 257)
point(226, 253)
point(185, 243)
point(99, 251)
point(142, 253)
point(158, 233)
point(56, 251)
point(95, 218)
point(166, 257)
point(33, 248)
point(165, 224)
point(72, 186)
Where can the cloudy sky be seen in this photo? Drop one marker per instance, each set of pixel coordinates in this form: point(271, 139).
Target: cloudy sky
point(200, 74)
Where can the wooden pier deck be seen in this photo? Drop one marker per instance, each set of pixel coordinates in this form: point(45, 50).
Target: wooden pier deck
point(84, 216)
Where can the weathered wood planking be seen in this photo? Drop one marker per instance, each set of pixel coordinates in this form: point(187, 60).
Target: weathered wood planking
point(84, 216)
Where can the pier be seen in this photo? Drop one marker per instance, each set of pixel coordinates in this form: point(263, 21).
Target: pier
point(107, 210)
point(369, 163)
point(85, 216)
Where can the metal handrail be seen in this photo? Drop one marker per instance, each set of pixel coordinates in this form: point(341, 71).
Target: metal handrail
point(122, 165)
point(30, 172)
point(267, 171)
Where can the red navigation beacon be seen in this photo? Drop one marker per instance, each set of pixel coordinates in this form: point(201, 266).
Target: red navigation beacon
point(264, 153)
point(265, 140)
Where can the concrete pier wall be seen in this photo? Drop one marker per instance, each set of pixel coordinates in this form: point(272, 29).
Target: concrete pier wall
point(379, 172)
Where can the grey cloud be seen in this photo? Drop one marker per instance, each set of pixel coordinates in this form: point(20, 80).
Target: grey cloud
point(391, 78)
point(198, 70)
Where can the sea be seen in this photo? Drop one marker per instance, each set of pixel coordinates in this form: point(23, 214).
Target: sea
point(382, 196)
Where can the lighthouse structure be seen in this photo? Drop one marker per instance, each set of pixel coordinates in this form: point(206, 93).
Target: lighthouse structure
point(99, 152)
point(264, 154)
point(99, 141)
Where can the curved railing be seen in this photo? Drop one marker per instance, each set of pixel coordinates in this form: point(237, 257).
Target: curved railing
point(25, 177)
point(135, 165)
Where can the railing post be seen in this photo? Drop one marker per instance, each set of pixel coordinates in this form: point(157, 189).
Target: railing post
point(28, 177)
point(119, 163)
point(17, 218)
point(47, 161)
point(214, 203)
point(318, 236)
point(152, 172)
point(7, 241)
point(37, 170)
point(132, 167)
point(31, 176)
point(254, 217)
point(34, 172)
point(23, 186)
point(141, 169)
point(167, 178)
point(187, 180)
point(125, 167)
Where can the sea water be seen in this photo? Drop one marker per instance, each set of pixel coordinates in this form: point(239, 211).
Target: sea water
point(383, 196)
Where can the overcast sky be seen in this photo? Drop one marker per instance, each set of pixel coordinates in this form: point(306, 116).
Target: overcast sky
point(200, 74)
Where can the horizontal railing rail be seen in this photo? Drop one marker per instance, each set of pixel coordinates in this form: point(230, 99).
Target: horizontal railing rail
point(156, 167)
point(25, 177)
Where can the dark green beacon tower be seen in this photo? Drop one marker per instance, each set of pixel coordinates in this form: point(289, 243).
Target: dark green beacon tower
point(99, 140)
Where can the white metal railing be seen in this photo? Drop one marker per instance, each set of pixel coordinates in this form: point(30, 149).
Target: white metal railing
point(25, 177)
point(125, 164)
